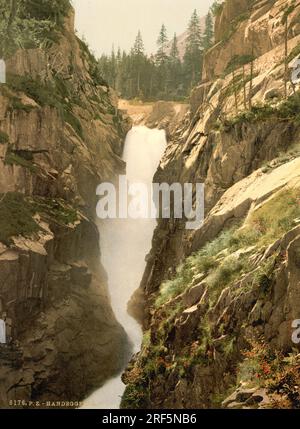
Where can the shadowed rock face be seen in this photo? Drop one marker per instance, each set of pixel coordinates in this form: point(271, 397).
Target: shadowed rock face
point(237, 295)
point(64, 136)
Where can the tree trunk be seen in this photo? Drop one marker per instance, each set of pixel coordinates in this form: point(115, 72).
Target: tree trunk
point(151, 85)
point(138, 82)
point(235, 92)
point(286, 58)
point(13, 11)
point(244, 88)
point(251, 82)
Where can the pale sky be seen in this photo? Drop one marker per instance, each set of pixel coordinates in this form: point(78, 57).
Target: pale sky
point(108, 22)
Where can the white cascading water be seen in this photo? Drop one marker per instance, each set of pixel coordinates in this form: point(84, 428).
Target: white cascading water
point(124, 245)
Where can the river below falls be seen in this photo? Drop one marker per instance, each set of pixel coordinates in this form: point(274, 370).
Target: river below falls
point(124, 245)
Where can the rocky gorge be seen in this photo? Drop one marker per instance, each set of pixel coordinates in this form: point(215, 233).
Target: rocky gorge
point(219, 305)
point(222, 301)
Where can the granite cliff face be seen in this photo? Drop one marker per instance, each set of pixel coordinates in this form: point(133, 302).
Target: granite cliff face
point(222, 299)
point(61, 135)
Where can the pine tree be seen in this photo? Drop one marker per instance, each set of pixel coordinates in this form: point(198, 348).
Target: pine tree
point(138, 47)
point(119, 77)
point(138, 60)
point(194, 40)
point(104, 68)
point(209, 32)
point(152, 76)
point(174, 65)
point(174, 54)
point(113, 68)
point(119, 56)
point(162, 41)
point(162, 60)
point(193, 54)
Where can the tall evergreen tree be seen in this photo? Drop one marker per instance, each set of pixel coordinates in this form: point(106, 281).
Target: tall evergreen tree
point(174, 54)
point(175, 64)
point(209, 31)
point(162, 60)
point(119, 55)
point(138, 60)
point(193, 54)
point(113, 68)
point(162, 42)
point(119, 77)
point(138, 47)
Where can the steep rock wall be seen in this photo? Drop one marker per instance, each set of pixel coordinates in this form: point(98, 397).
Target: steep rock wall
point(216, 292)
point(62, 134)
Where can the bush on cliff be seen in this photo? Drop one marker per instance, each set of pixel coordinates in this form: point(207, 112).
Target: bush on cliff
point(17, 214)
point(3, 137)
point(16, 217)
point(56, 94)
point(53, 10)
point(27, 24)
point(287, 110)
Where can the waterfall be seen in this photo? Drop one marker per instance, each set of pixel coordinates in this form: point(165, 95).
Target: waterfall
point(124, 245)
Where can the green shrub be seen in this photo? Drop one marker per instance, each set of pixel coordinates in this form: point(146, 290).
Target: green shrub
point(212, 248)
point(169, 290)
point(57, 94)
point(15, 159)
point(31, 24)
point(55, 209)
point(44, 94)
point(265, 274)
point(71, 119)
point(16, 217)
point(238, 61)
point(16, 104)
point(17, 211)
point(225, 274)
point(3, 138)
point(134, 397)
point(276, 217)
point(287, 110)
point(53, 10)
point(217, 8)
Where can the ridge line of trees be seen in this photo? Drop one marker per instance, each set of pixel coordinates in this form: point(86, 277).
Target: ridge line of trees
point(163, 75)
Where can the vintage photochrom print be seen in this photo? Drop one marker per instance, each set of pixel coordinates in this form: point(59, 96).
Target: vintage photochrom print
point(149, 208)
